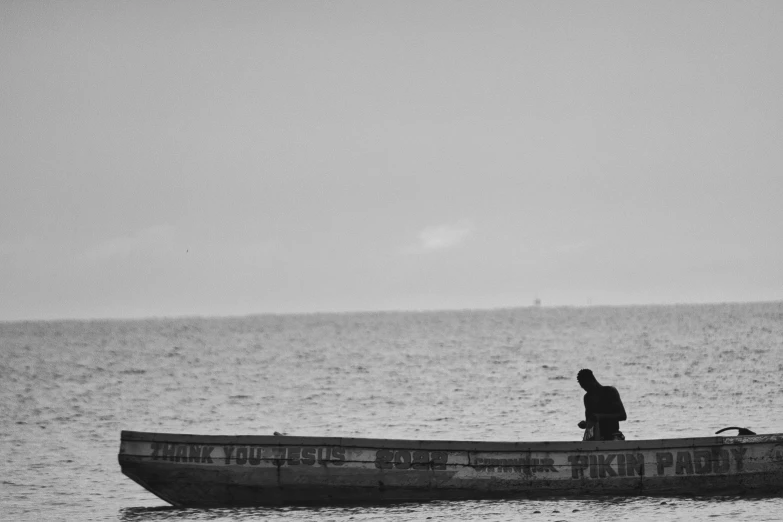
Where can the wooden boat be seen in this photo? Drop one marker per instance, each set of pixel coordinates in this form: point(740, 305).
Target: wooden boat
point(200, 470)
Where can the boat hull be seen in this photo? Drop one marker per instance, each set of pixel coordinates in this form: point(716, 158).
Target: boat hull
point(195, 470)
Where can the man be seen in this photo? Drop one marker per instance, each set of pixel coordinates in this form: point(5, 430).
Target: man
point(603, 409)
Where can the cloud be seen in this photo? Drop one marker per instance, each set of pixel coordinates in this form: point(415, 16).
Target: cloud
point(123, 246)
point(444, 236)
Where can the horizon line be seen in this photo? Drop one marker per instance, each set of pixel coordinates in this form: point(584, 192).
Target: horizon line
point(376, 311)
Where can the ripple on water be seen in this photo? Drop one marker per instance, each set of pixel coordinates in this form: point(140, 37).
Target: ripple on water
point(69, 387)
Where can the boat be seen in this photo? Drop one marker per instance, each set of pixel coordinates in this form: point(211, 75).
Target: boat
point(260, 470)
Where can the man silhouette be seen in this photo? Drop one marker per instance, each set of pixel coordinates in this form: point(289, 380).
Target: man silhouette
point(603, 409)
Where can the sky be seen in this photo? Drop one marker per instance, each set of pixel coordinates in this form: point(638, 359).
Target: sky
point(163, 158)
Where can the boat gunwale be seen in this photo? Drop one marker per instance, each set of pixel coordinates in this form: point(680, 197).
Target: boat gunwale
point(447, 445)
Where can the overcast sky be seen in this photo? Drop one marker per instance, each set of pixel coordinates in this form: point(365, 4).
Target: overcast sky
point(221, 158)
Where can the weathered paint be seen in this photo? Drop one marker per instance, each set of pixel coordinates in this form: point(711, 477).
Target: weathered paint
point(210, 470)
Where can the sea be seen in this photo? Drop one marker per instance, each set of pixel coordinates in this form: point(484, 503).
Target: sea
point(67, 389)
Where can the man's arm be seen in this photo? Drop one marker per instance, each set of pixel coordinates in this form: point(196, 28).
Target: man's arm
point(583, 424)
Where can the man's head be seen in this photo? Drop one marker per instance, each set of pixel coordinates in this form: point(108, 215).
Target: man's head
point(586, 379)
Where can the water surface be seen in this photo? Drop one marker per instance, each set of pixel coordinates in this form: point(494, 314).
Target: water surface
point(68, 388)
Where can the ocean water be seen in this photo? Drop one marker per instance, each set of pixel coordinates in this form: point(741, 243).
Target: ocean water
point(68, 388)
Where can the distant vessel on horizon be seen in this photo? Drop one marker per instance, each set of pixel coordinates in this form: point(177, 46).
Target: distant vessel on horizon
point(537, 302)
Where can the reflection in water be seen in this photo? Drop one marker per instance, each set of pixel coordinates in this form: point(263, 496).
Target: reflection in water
point(182, 514)
point(556, 508)
point(265, 513)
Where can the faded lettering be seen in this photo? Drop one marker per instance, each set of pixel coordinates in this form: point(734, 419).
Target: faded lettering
point(700, 462)
point(254, 455)
point(579, 464)
point(181, 452)
point(308, 456)
point(194, 453)
point(684, 463)
point(605, 466)
point(608, 465)
point(664, 460)
point(525, 465)
point(402, 459)
point(227, 450)
point(634, 464)
point(418, 460)
point(241, 456)
point(739, 454)
point(169, 450)
point(206, 454)
point(383, 459)
point(438, 460)
point(338, 455)
point(294, 455)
